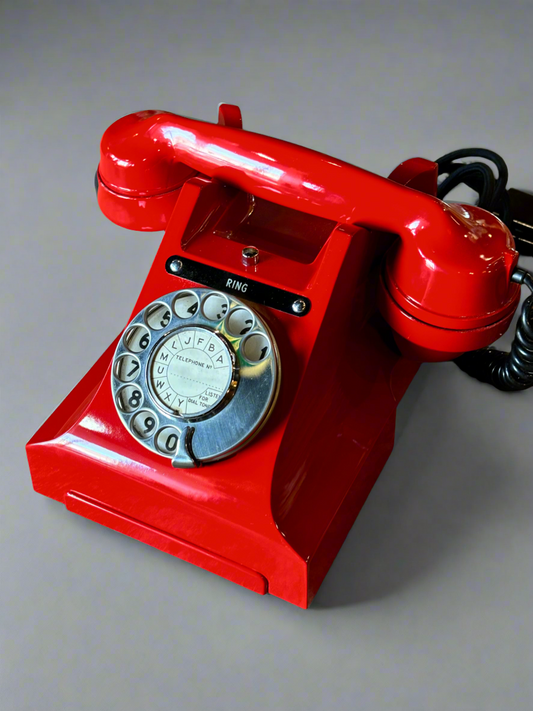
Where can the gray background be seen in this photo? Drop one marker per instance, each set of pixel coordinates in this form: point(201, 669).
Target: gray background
point(428, 605)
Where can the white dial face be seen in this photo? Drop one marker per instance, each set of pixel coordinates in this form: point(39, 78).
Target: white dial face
point(191, 371)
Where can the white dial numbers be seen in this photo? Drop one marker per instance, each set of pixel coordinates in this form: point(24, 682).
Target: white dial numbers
point(130, 398)
point(137, 339)
point(144, 424)
point(167, 440)
point(256, 347)
point(215, 306)
point(127, 368)
point(240, 322)
point(158, 316)
point(186, 304)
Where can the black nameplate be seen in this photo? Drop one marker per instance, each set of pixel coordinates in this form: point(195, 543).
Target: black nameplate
point(248, 289)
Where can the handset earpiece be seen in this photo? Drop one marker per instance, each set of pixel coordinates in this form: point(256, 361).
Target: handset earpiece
point(449, 290)
point(139, 177)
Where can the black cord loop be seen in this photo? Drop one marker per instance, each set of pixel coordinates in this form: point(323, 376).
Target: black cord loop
point(479, 177)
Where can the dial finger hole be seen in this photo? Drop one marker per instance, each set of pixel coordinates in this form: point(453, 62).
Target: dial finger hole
point(167, 440)
point(137, 339)
point(186, 304)
point(127, 368)
point(255, 347)
point(144, 424)
point(239, 322)
point(129, 398)
point(215, 306)
point(158, 316)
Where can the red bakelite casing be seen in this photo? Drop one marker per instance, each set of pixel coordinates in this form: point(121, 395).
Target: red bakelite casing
point(273, 516)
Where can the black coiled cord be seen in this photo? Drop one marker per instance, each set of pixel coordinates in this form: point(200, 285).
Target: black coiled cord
point(506, 371)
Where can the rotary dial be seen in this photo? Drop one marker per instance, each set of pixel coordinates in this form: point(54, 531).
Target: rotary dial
point(195, 375)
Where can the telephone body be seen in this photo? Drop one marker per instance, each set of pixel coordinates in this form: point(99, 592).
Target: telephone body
point(242, 417)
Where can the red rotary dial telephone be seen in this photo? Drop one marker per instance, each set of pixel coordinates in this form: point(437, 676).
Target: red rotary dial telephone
point(243, 415)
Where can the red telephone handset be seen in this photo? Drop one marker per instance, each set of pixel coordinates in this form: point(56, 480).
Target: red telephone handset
point(446, 285)
point(241, 418)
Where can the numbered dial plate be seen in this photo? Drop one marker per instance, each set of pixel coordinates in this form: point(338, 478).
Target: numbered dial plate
point(191, 371)
point(195, 375)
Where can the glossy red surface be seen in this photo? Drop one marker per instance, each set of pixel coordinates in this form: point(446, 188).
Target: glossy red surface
point(273, 516)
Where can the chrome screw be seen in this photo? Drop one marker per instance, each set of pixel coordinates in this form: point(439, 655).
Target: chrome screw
point(299, 306)
point(175, 266)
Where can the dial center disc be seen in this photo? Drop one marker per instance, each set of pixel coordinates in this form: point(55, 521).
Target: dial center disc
point(191, 371)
